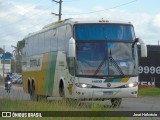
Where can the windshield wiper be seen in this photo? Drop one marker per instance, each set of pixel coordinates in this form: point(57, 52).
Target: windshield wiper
point(113, 61)
point(115, 64)
point(100, 65)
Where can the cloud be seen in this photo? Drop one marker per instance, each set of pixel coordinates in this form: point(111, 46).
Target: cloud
point(17, 20)
point(155, 24)
point(147, 26)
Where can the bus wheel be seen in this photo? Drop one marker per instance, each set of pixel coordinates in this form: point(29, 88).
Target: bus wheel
point(29, 87)
point(116, 102)
point(61, 90)
point(33, 95)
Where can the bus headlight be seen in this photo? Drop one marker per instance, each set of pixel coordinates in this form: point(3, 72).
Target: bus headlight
point(83, 85)
point(131, 85)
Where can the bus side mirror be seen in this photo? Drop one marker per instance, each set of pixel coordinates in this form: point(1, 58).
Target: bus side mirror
point(72, 48)
point(143, 47)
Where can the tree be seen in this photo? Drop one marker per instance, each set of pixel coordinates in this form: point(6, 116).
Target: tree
point(1, 51)
point(18, 49)
point(17, 53)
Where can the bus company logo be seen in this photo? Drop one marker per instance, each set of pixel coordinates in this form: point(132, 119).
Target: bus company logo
point(6, 114)
point(108, 84)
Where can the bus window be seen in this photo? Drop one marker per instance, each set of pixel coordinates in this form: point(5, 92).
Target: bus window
point(47, 41)
point(61, 38)
point(71, 65)
point(53, 34)
point(41, 43)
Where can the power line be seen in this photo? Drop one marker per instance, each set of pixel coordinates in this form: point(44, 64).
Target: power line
point(71, 1)
point(25, 8)
point(104, 9)
point(36, 3)
point(27, 28)
point(25, 19)
point(78, 14)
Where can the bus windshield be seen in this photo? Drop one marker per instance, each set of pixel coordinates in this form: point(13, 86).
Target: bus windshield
point(106, 59)
point(114, 32)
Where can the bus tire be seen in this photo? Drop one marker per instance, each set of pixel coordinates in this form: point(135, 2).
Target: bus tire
point(33, 94)
point(61, 89)
point(116, 102)
point(29, 87)
point(7, 91)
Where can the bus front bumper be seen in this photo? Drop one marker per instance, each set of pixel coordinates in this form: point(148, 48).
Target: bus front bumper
point(96, 93)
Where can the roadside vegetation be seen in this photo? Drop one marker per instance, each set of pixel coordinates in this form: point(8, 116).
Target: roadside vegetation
point(17, 105)
point(149, 91)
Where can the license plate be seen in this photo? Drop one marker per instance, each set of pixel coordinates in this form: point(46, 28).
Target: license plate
point(107, 93)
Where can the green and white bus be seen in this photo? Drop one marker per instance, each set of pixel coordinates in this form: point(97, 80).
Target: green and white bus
point(93, 59)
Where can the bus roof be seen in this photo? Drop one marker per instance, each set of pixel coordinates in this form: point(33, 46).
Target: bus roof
point(85, 20)
point(96, 20)
point(78, 21)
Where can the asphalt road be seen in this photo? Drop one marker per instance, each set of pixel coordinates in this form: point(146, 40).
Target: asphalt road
point(16, 93)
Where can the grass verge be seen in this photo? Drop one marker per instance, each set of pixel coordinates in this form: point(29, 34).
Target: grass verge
point(17, 105)
point(149, 91)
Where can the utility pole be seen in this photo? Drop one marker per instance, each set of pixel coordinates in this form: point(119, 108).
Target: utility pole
point(3, 60)
point(60, 9)
point(15, 60)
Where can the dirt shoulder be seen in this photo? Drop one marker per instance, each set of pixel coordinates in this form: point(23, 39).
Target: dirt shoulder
point(145, 86)
point(1, 80)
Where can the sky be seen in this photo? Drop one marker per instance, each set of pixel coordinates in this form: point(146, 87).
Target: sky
point(18, 18)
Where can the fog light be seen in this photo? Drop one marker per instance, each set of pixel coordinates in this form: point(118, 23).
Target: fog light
point(135, 92)
point(83, 85)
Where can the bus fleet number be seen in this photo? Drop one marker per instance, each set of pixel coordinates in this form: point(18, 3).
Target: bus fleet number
point(147, 70)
